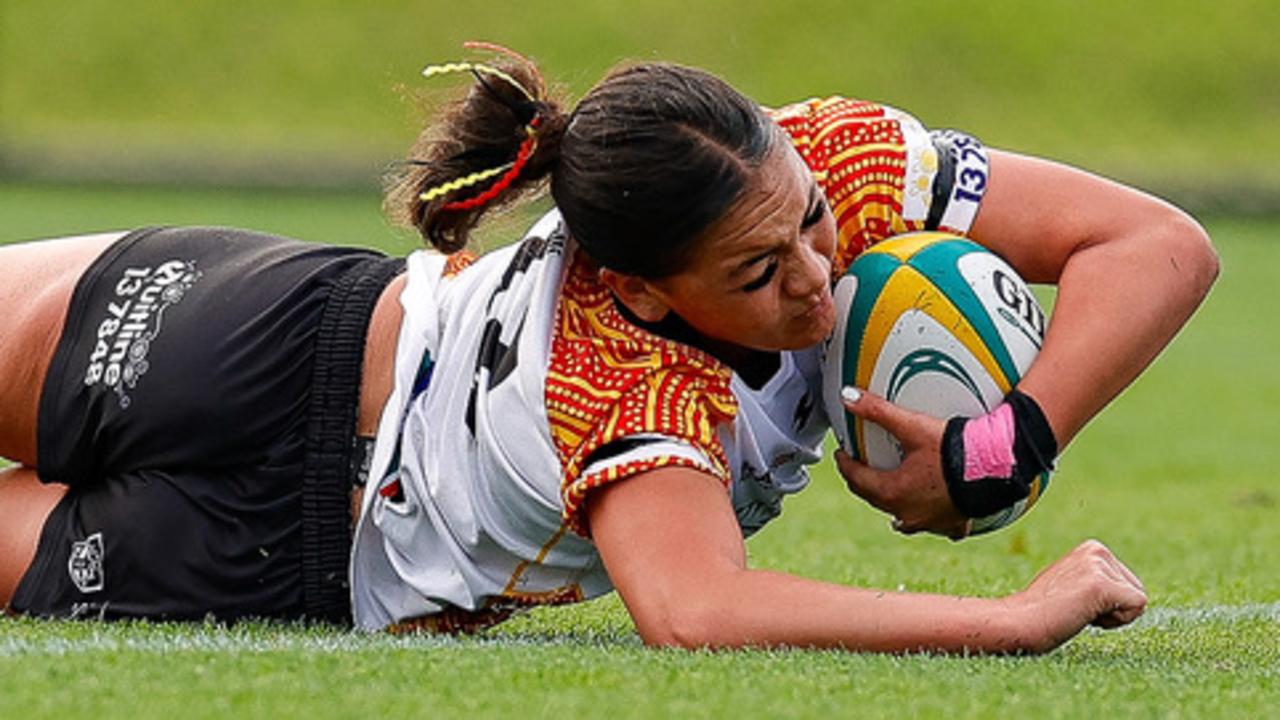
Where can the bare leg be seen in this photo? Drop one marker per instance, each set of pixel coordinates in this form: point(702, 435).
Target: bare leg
point(25, 503)
point(36, 282)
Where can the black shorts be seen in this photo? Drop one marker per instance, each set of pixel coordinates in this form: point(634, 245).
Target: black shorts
point(201, 407)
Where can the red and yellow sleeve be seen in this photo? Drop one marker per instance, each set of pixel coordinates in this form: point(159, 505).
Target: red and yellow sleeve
point(882, 172)
point(609, 380)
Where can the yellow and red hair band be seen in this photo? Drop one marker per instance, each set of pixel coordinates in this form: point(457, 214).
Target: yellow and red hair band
point(509, 171)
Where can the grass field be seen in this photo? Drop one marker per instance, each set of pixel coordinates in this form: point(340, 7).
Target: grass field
point(1176, 94)
point(1177, 476)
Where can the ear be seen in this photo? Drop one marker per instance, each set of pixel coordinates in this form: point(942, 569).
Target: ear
point(643, 299)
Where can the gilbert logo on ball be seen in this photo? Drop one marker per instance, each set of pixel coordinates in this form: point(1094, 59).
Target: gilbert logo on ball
point(937, 324)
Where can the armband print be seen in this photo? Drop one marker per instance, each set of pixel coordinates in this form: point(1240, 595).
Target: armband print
point(961, 182)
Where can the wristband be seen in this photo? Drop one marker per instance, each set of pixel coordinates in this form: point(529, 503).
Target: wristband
point(990, 462)
point(361, 460)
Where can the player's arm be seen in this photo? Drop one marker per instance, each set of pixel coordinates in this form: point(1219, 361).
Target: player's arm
point(1130, 270)
point(674, 551)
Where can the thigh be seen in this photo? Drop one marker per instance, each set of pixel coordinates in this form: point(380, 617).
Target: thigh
point(25, 504)
point(171, 545)
point(36, 283)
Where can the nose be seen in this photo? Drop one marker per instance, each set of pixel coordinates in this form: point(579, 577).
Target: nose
point(809, 274)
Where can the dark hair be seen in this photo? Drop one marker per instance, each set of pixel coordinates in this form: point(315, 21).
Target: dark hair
point(647, 161)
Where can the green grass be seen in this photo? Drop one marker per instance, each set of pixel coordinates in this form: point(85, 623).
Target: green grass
point(1177, 476)
point(1179, 93)
point(1189, 669)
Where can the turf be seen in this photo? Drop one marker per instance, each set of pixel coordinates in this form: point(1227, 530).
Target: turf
point(1189, 668)
point(1176, 476)
point(1174, 92)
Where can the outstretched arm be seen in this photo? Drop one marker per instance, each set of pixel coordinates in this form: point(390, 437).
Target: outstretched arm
point(674, 551)
point(1130, 270)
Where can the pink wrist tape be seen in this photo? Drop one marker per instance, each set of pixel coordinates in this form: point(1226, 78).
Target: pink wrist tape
point(988, 445)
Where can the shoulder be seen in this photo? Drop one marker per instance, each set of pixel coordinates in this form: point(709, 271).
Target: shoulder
point(833, 123)
point(883, 172)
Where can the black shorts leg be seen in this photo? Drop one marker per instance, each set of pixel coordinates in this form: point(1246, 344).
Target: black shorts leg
point(201, 408)
point(162, 545)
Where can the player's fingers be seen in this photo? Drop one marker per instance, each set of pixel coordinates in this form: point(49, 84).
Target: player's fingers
point(906, 527)
point(952, 531)
point(903, 424)
point(863, 480)
point(1132, 611)
point(1125, 615)
point(1108, 622)
point(961, 531)
point(1125, 572)
point(1112, 564)
point(910, 522)
point(1125, 595)
point(1128, 607)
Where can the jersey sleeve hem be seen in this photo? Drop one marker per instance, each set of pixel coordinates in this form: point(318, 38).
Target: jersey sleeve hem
point(574, 494)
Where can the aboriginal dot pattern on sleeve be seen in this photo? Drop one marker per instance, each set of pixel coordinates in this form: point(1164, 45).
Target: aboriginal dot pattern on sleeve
point(857, 153)
point(609, 379)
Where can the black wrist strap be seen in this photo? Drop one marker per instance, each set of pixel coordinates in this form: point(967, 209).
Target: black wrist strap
point(1034, 450)
point(361, 460)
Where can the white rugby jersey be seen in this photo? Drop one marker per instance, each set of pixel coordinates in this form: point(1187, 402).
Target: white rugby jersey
point(519, 387)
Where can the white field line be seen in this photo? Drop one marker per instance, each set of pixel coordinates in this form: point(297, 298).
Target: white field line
point(215, 640)
point(1161, 616)
point(230, 641)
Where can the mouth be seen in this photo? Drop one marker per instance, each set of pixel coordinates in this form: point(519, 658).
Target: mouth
point(820, 313)
point(821, 307)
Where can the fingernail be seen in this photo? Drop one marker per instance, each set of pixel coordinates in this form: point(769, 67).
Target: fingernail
point(850, 394)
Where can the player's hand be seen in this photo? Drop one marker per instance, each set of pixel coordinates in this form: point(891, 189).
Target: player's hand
point(915, 493)
point(1087, 586)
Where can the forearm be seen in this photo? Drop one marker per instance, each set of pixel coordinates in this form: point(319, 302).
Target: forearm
point(1119, 304)
point(1130, 270)
point(671, 545)
point(760, 608)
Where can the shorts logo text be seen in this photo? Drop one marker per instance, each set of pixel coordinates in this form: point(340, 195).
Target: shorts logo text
point(85, 564)
point(132, 321)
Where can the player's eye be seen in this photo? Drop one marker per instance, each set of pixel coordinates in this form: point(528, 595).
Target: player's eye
point(814, 216)
point(764, 278)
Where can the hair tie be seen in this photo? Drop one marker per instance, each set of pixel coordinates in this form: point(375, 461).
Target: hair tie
point(526, 111)
point(478, 68)
point(512, 172)
point(462, 182)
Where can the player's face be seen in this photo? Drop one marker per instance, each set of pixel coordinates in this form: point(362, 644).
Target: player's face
point(761, 276)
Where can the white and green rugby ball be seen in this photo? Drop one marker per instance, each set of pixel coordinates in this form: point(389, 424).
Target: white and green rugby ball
point(934, 323)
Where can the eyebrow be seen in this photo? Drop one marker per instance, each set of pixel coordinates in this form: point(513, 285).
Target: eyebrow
point(815, 196)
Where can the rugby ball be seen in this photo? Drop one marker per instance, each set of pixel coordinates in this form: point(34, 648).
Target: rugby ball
point(934, 323)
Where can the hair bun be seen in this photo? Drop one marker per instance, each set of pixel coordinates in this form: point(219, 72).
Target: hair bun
point(486, 150)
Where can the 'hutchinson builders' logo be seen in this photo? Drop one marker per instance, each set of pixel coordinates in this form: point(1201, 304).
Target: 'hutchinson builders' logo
point(132, 321)
point(85, 564)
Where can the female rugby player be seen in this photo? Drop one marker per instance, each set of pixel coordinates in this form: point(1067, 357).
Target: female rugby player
point(615, 402)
